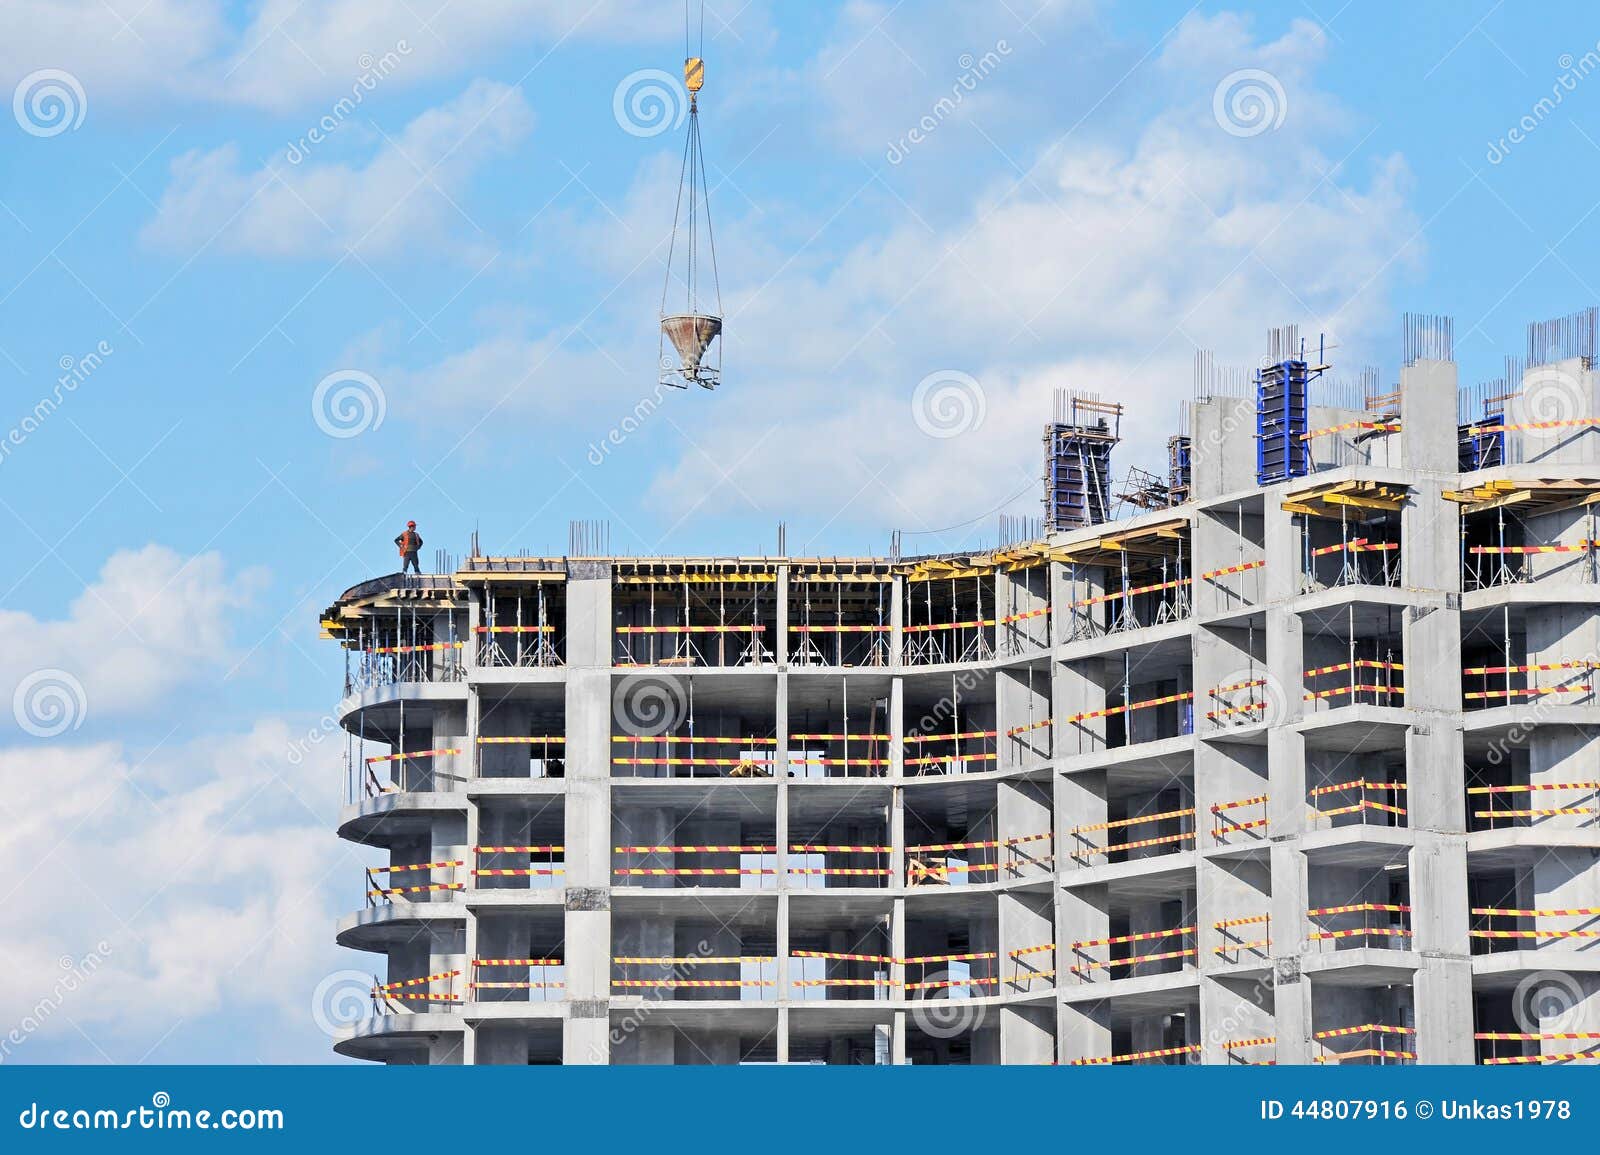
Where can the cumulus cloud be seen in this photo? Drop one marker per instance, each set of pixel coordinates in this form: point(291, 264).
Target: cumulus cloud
point(288, 54)
point(406, 196)
point(151, 621)
point(1099, 260)
point(144, 892)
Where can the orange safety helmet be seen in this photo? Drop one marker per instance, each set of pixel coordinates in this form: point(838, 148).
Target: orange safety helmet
point(411, 525)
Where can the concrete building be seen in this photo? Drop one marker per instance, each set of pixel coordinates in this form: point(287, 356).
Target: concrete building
point(1297, 772)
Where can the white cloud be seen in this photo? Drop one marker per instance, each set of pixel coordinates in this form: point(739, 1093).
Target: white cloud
point(288, 54)
point(151, 621)
point(405, 197)
point(204, 877)
point(1102, 268)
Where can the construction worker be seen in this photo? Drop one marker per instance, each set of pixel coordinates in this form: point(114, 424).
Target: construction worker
point(409, 542)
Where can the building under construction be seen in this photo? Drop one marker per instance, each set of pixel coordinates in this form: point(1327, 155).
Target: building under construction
point(1294, 763)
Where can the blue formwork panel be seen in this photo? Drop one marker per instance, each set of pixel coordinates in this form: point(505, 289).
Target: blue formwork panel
point(1475, 450)
point(1281, 423)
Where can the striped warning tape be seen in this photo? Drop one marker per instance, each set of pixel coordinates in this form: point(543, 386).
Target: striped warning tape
point(1141, 936)
point(1581, 665)
point(516, 986)
point(1545, 813)
point(1579, 547)
point(933, 626)
point(513, 740)
point(516, 962)
point(1242, 1044)
point(1250, 707)
point(690, 760)
point(1113, 848)
point(636, 983)
point(1237, 947)
point(684, 740)
point(385, 892)
point(1554, 912)
point(839, 629)
point(1312, 695)
point(418, 982)
point(1356, 545)
point(1565, 1057)
point(519, 872)
point(874, 982)
point(1355, 782)
point(728, 629)
point(1533, 786)
point(838, 761)
point(1111, 711)
point(1250, 920)
point(1138, 820)
point(675, 960)
point(416, 649)
point(1219, 807)
point(1132, 960)
point(534, 629)
point(1538, 934)
point(946, 984)
point(1250, 685)
point(1358, 908)
point(1527, 1037)
point(694, 871)
point(1099, 599)
point(1232, 569)
point(411, 754)
point(935, 759)
point(848, 871)
point(1367, 1053)
point(1032, 950)
point(1361, 931)
point(1526, 692)
point(1030, 727)
point(1136, 1056)
point(842, 957)
point(1024, 616)
point(913, 738)
point(1357, 808)
point(399, 869)
point(1358, 664)
point(1573, 423)
point(1364, 426)
point(1364, 1029)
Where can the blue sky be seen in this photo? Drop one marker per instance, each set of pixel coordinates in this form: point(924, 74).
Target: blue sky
point(482, 239)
